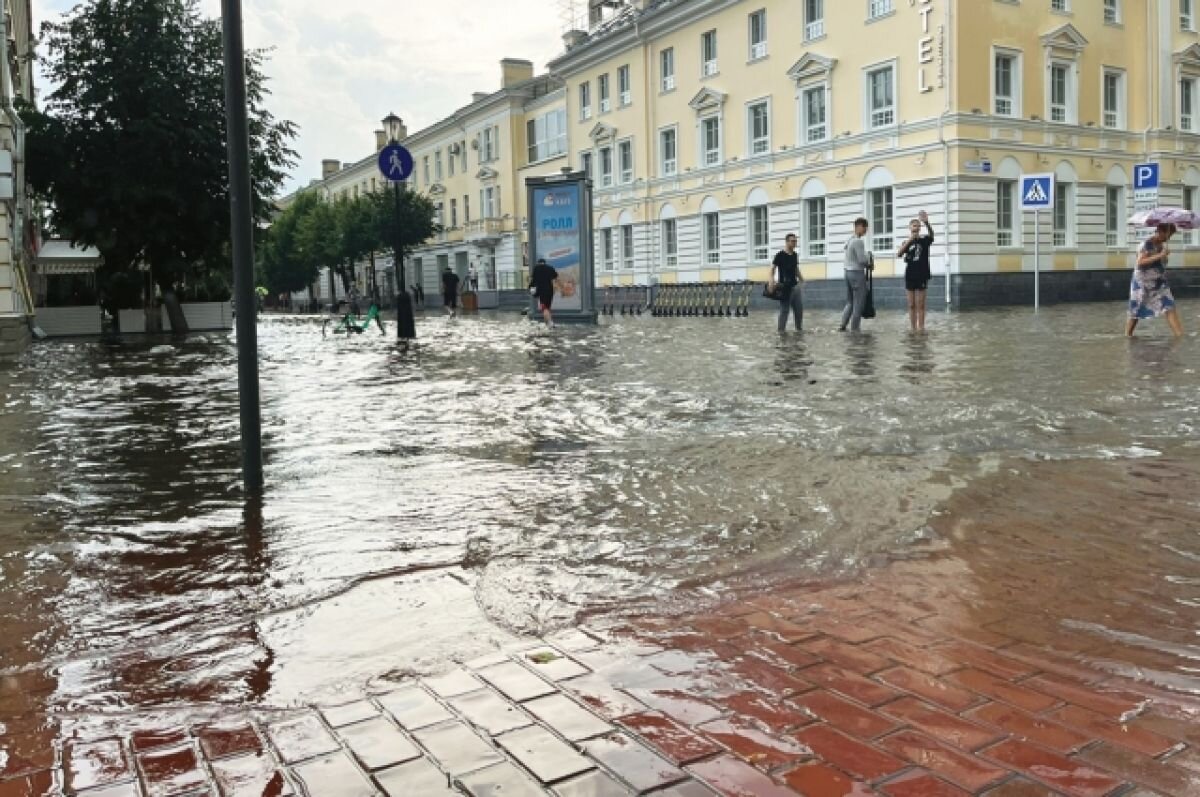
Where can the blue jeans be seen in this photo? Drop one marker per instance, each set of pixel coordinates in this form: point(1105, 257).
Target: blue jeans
point(856, 297)
point(792, 300)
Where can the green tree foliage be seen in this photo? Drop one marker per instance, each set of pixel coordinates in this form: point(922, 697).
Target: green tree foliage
point(284, 266)
point(404, 224)
point(129, 147)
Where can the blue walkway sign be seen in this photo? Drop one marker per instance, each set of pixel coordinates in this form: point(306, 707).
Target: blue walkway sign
point(395, 163)
point(1037, 191)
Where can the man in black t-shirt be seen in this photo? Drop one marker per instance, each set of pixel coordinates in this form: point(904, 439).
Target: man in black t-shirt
point(785, 273)
point(450, 291)
point(541, 285)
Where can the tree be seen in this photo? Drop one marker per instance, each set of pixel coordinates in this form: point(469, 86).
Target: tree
point(129, 149)
point(284, 266)
point(405, 224)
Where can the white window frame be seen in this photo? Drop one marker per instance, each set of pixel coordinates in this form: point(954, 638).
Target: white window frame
point(885, 240)
point(877, 9)
point(604, 156)
point(708, 60)
point(758, 233)
point(1114, 216)
point(453, 213)
point(624, 86)
point(437, 165)
point(603, 91)
point(807, 127)
point(666, 70)
point(668, 167)
point(1187, 90)
point(1013, 100)
point(814, 246)
point(758, 146)
point(710, 158)
point(1112, 12)
point(712, 253)
point(1064, 206)
point(606, 249)
point(758, 49)
point(627, 248)
point(425, 166)
point(586, 160)
point(1060, 6)
point(870, 114)
point(624, 149)
point(1115, 116)
point(1007, 236)
point(1070, 105)
point(1187, 16)
point(585, 100)
point(814, 20)
point(670, 243)
point(1190, 195)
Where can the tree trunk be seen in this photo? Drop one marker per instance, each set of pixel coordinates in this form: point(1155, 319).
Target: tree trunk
point(149, 306)
point(179, 324)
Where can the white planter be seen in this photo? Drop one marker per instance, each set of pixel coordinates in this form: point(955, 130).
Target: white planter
point(67, 321)
point(132, 321)
point(203, 316)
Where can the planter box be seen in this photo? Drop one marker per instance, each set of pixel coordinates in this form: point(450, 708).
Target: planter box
point(131, 321)
point(203, 316)
point(61, 322)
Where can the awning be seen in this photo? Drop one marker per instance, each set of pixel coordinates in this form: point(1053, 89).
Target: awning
point(58, 257)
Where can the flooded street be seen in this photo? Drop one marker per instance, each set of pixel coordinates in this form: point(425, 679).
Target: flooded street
point(428, 506)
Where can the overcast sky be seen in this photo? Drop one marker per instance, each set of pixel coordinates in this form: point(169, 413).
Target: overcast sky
point(339, 67)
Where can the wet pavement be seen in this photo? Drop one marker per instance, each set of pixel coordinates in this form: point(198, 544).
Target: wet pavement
point(662, 556)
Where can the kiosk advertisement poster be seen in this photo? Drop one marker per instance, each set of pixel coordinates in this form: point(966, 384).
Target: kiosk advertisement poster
point(560, 220)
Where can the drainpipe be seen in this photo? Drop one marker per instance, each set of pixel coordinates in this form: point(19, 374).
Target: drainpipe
point(6, 81)
point(949, 72)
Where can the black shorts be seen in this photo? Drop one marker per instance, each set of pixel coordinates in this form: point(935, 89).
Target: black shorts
point(916, 280)
point(450, 300)
point(545, 300)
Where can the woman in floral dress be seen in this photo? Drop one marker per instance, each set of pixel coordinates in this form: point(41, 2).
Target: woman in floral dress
point(1150, 295)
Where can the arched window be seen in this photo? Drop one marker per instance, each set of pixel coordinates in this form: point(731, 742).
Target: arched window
point(758, 226)
point(669, 233)
point(879, 203)
point(1008, 217)
point(1115, 211)
point(710, 231)
point(1066, 184)
point(812, 218)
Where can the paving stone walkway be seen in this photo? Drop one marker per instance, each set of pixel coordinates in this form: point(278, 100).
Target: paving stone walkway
point(889, 686)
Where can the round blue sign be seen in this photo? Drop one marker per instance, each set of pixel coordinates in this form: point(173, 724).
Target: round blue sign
point(395, 162)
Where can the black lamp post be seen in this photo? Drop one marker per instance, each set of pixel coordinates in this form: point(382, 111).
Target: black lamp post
point(406, 325)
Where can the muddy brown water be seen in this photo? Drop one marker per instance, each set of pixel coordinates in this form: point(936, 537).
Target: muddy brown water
point(427, 505)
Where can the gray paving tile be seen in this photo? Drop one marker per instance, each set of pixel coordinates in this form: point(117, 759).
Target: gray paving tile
point(567, 718)
point(552, 664)
point(302, 738)
point(414, 708)
point(417, 778)
point(378, 743)
point(516, 682)
point(544, 754)
point(502, 780)
point(488, 711)
point(250, 775)
point(334, 776)
point(457, 748)
point(454, 683)
point(633, 763)
point(593, 784)
point(350, 713)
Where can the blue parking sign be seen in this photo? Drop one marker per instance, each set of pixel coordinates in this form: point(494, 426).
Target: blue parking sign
point(1145, 176)
point(1037, 191)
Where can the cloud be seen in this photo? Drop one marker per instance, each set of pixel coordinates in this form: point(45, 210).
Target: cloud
point(337, 68)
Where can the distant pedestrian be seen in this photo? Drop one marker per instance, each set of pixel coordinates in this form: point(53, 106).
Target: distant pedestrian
point(472, 278)
point(785, 272)
point(858, 261)
point(542, 283)
point(450, 282)
point(915, 252)
point(1149, 295)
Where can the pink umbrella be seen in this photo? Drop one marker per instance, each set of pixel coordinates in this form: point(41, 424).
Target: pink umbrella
point(1182, 218)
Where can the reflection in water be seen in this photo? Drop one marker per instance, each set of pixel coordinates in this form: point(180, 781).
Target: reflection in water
point(424, 503)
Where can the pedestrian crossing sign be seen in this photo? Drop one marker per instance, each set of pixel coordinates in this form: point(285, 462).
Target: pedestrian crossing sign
point(1037, 191)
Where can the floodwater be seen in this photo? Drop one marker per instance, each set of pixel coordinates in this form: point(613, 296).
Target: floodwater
point(427, 504)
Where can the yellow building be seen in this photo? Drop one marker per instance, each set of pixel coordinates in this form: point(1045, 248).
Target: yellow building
point(472, 165)
point(16, 231)
point(712, 128)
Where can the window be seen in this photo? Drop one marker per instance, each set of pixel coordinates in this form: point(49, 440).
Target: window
point(1060, 5)
point(624, 86)
point(585, 163)
point(627, 246)
point(760, 236)
point(1062, 93)
point(710, 140)
point(1187, 104)
point(1005, 192)
point(606, 167)
point(491, 144)
point(758, 123)
point(1006, 82)
point(708, 53)
point(1189, 203)
point(1187, 20)
point(450, 159)
point(712, 238)
point(425, 168)
point(1063, 217)
point(489, 202)
point(606, 249)
point(1114, 205)
point(881, 97)
point(462, 145)
point(453, 212)
point(814, 19)
point(602, 89)
point(667, 152)
point(879, 200)
point(666, 68)
point(670, 243)
point(1114, 99)
point(1112, 11)
point(466, 207)
point(547, 135)
point(814, 226)
point(816, 126)
point(437, 164)
point(625, 159)
point(758, 35)
point(585, 100)
point(878, 8)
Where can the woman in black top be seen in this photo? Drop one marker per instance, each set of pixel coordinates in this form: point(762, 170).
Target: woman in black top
point(915, 252)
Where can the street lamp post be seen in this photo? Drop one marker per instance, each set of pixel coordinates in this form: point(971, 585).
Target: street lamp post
point(406, 325)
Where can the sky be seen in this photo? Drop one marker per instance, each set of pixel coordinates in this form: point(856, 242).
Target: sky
point(339, 67)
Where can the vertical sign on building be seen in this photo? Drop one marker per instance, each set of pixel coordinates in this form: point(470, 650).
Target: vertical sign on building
point(560, 215)
point(1145, 186)
point(926, 49)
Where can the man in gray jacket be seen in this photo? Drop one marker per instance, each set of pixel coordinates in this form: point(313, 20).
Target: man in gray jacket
point(858, 261)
